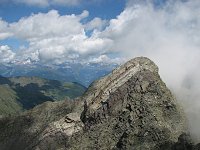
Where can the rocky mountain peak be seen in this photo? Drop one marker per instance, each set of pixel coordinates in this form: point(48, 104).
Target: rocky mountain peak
point(100, 90)
point(131, 108)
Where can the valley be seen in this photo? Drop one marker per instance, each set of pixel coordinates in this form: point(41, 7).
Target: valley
point(23, 93)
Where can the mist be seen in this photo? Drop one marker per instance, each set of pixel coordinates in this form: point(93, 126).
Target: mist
point(169, 34)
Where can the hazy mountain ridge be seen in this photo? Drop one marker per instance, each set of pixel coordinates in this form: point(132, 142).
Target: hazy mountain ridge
point(131, 108)
point(22, 93)
point(70, 72)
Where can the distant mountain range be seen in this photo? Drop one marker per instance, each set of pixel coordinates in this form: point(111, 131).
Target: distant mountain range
point(70, 72)
point(23, 93)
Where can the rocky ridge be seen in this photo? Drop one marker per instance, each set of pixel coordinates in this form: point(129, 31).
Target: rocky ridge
point(131, 108)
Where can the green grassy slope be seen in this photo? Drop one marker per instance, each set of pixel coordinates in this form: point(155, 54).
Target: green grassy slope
point(8, 101)
point(20, 93)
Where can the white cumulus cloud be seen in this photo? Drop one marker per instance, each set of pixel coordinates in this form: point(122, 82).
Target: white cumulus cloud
point(47, 25)
point(6, 54)
point(56, 38)
point(4, 30)
point(96, 23)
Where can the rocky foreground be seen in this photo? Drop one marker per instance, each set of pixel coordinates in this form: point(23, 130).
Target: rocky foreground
point(131, 109)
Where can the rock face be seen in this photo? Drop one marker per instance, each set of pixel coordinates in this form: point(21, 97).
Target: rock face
point(131, 108)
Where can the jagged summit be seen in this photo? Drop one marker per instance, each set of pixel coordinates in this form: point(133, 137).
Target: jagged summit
point(131, 108)
point(100, 90)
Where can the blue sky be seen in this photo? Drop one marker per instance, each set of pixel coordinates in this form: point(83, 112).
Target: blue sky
point(108, 9)
point(12, 12)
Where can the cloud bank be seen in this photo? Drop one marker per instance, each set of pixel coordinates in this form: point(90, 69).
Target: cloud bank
point(168, 33)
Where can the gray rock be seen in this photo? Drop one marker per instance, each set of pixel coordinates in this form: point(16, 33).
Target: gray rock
point(131, 108)
point(139, 113)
